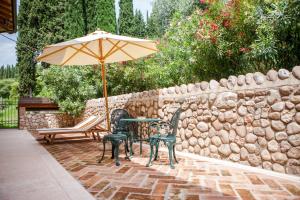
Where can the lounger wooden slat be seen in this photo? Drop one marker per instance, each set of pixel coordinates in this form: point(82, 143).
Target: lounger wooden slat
point(89, 125)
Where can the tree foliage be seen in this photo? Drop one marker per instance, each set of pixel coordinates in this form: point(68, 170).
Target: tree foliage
point(8, 88)
point(70, 87)
point(126, 17)
point(139, 27)
point(8, 71)
point(105, 15)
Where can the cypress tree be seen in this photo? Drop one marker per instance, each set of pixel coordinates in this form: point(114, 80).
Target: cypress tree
point(40, 23)
point(126, 17)
point(89, 14)
point(74, 22)
point(139, 25)
point(105, 17)
point(26, 42)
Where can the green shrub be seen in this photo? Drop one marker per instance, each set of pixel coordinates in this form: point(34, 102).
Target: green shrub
point(70, 87)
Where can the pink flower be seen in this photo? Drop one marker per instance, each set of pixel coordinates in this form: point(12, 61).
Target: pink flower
point(244, 49)
point(202, 1)
point(226, 23)
point(214, 26)
point(213, 40)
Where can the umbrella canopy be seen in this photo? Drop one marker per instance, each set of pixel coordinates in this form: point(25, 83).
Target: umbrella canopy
point(97, 48)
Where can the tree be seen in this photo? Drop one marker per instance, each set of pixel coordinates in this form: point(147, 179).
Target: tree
point(126, 17)
point(74, 19)
point(139, 25)
point(70, 87)
point(163, 11)
point(26, 44)
point(40, 23)
point(105, 16)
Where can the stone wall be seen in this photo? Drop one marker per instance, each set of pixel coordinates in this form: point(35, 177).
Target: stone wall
point(31, 120)
point(251, 119)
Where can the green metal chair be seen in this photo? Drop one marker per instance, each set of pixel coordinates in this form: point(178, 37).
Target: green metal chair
point(120, 134)
point(164, 132)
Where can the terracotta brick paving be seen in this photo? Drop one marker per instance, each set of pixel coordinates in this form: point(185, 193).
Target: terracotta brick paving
point(191, 179)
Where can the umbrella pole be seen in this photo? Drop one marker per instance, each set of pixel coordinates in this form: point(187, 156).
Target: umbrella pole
point(105, 93)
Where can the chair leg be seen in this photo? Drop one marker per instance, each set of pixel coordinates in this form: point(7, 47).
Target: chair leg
point(116, 151)
point(130, 144)
point(93, 134)
point(170, 148)
point(102, 152)
point(174, 154)
point(52, 138)
point(151, 153)
point(156, 150)
point(112, 151)
point(126, 147)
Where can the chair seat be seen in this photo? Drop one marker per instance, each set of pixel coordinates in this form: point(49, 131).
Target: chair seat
point(163, 137)
point(118, 136)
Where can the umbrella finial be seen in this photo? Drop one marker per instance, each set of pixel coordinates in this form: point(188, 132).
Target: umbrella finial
point(98, 31)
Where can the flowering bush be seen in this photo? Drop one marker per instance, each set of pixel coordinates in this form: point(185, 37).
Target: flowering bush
point(228, 38)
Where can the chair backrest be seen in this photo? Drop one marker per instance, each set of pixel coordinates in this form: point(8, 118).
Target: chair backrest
point(92, 123)
point(174, 121)
point(115, 122)
point(85, 121)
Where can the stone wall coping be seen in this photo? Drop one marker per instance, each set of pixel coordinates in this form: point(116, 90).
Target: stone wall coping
point(256, 81)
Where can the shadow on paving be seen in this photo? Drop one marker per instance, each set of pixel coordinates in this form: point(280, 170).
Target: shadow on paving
point(191, 178)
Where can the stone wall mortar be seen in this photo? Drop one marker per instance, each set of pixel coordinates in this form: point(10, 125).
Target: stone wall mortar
point(252, 119)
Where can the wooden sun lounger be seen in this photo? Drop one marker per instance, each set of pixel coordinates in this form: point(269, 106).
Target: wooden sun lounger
point(89, 125)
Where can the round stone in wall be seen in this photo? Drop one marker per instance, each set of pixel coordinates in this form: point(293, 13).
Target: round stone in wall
point(244, 153)
point(281, 136)
point(296, 72)
point(234, 148)
point(269, 133)
point(293, 128)
point(294, 152)
point(272, 75)
point(251, 138)
point(278, 168)
point(224, 150)
point(278, 107)
point(259, 131)
point(283, 74)
point(267, 165)
point(193, 141)
point(235, 157)
point(216, 141)
point(279, 157)
point(202, 126)
point(241, 131)
point(273, 146)
point(265, 155)
point(251, 148)
point(285, 146)
point(254, 160)
point(286, 90)
point(294, 140)
point(277, 125)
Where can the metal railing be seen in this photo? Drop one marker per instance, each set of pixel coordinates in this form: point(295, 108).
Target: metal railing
point(9, 113)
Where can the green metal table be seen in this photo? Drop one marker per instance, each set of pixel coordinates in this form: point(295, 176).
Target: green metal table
point(140, 121)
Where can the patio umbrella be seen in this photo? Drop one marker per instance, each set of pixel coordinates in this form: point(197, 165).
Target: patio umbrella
point(97, 48)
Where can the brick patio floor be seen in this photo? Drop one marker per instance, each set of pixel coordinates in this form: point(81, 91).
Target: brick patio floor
point(192, 178)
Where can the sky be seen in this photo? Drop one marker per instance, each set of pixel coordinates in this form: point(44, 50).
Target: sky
point(7, 47)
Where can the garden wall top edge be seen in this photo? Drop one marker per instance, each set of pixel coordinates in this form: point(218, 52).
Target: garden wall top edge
point(250, 81)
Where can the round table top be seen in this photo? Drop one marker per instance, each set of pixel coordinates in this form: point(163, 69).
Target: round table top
point(141, 120)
